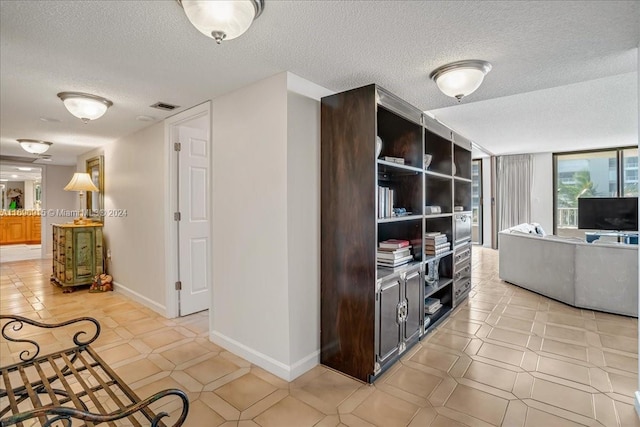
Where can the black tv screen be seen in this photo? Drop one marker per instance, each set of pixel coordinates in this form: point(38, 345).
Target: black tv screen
point(608, 213)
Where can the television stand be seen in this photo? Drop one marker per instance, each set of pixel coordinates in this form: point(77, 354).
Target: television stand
point(629, 237)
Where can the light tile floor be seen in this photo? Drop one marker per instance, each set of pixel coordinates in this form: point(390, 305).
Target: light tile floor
point(506, 357)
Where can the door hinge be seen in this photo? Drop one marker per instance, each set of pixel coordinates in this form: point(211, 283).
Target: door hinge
point(177, 146)
point(178, 285)
point(177, 216)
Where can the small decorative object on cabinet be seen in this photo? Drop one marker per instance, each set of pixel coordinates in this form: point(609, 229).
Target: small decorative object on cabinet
point(375, 300)
point(77, 254)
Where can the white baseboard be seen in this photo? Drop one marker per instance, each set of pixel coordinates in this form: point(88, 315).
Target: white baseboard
point(636, 402)
point(158, 308)
point(286, 372)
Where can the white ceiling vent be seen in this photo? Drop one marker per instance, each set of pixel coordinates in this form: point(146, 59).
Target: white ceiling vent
point(164, 106)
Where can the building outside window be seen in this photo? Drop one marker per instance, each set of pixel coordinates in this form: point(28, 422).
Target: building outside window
point(603, 173)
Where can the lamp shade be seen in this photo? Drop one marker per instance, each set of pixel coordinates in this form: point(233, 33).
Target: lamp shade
point(461, 78)
point(222, 19)
point(34, 146)
point(85, 106)
point(81, 181)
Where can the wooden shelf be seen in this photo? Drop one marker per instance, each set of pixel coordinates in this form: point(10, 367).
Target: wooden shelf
point(398, 218)
point(436, 318)
point(437, 174)
point(399, 167)
point(370, 314)
point(442, 283)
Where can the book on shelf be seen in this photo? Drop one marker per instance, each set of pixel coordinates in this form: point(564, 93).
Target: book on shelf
point(435, 240)
point(394, 244)
point(385, 202)
point(431, 301)
point(432, 305)
point(433, 310)
point(398, 253)
point(435, 253)
point(433, 234)
point(395, 262)
point(388, 250)
point(436, 246)
point(398, 160)
point(432, 210)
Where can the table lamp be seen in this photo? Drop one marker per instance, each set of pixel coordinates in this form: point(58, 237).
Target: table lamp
point(81, 182)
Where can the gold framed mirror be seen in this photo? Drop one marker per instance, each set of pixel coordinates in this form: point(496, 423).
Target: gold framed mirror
point(95, 199)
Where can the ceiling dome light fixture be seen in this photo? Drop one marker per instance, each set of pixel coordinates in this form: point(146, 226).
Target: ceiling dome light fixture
point(461, 78)
point(34, 146)
point(222, 19)
point(85, 106)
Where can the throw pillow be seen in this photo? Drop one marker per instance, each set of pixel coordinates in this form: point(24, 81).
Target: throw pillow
point(538, 229)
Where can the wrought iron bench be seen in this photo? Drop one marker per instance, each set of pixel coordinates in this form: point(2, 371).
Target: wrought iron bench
point(73, 386)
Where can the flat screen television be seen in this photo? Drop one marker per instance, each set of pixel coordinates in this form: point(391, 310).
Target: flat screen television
point(608, 213)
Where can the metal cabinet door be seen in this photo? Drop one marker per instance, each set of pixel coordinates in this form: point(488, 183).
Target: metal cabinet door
point(414, 305)
point(387, 321)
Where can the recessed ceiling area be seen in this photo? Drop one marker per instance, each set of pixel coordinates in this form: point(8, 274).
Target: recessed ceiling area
point(19, 173)
point(135, 53)
point(581, 116)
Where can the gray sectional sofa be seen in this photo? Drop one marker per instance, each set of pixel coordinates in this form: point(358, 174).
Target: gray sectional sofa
point(595, 276)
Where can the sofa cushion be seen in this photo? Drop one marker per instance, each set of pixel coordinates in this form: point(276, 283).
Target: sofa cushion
point(533, 228)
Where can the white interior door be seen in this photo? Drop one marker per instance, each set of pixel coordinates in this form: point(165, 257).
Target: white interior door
point(194, 222)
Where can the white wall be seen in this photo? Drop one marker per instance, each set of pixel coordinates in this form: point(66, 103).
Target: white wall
point(250, 276)
point(487, 227)
point(542, 191)
point(134, 200)
point(266, 223)
point(303, 237)
point(55, 178)
point(133, 182)
point(28, 198)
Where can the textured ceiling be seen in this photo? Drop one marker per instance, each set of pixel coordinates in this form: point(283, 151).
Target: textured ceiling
point(592, 114)
point(139, 52)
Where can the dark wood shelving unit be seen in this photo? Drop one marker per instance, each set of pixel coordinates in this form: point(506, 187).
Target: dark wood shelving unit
point(370, 315)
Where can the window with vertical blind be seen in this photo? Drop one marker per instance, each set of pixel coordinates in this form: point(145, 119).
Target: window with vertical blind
point(611, 172)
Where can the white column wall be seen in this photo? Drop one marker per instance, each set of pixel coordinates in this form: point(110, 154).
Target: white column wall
point(250, 276)
point(542, 191)
point(487, 227)
point(303, 206)
point(134, 226)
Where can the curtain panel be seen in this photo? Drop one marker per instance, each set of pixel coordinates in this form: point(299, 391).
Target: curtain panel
point(514, 181)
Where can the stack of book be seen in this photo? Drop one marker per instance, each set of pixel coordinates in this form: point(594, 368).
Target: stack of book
point(432, 305)
point(394, 253)
point(436, 244)
point(398, 160)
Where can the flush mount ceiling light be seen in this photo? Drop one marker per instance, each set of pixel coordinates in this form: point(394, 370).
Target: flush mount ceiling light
point(85, 106)
point(461, 78)
point(222, 19)
point(34, 146)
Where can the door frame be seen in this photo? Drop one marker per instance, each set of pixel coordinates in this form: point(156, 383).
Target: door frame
point(171, 125)
point(43, 200)
point(480, 202)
